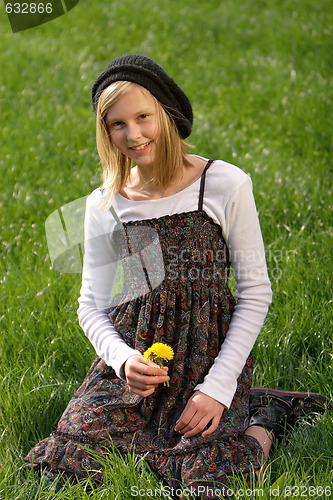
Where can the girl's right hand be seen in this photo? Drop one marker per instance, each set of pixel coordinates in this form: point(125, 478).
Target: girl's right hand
point(143, 376)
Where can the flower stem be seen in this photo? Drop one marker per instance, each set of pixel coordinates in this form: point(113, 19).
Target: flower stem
point(159, 361)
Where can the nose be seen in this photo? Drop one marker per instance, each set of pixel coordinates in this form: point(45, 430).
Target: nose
point(133, 131)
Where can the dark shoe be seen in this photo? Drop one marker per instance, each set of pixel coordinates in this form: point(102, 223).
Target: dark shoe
point(278, 410)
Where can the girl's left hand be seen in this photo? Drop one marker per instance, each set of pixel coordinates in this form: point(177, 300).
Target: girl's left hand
point(199, 411)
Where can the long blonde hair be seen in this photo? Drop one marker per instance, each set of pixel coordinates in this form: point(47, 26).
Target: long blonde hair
point(171, 149)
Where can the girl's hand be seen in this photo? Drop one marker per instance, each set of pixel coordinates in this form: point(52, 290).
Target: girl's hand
point(143, 376)
point(199, 411)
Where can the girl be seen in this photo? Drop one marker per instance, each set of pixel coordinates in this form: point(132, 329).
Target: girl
point(175, 222)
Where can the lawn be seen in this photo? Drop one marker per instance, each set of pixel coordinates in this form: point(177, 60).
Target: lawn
point(259, 74)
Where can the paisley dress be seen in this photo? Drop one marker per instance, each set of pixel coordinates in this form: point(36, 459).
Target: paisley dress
point(190, 310)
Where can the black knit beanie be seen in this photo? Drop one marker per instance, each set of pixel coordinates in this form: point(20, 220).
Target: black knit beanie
point(147, 73)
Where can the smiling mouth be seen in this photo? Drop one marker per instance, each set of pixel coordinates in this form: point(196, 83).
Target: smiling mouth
point(139, 148)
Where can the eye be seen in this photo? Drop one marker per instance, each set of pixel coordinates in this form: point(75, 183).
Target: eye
point(143, 116)
point(117, 124)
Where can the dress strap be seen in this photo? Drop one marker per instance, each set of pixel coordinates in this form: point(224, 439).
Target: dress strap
point(114, 213)
point(202, 184)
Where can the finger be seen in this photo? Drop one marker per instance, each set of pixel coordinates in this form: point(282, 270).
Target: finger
point(146, 370)
point(142, 367)
point(213, 426)
point(185, 418)
point(184, 426)
point(145, 386)
point(138, 364)
point(140, 392)
point(146, 382)
point(142, 384)
point(153, 369)
point(197, 428)
point(152, 363)
point(189, 419)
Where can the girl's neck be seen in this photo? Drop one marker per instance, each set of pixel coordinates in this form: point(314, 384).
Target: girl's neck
point(143, 176)
point(141, 186)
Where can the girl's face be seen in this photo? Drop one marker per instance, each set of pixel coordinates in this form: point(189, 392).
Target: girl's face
point(133, 125)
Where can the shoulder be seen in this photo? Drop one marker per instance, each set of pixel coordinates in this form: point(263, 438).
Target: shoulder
point(95, 205)
point(94, 199)
point(228, 172)
point(226, 179)
point(98, 218)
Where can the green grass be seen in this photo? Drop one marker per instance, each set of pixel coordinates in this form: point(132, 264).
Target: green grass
point(259, 74)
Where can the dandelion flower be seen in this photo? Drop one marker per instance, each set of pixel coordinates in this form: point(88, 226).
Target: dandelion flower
point(159, 352)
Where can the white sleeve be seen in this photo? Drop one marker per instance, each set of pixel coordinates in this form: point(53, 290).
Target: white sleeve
point(98, 277)
point(253, 293)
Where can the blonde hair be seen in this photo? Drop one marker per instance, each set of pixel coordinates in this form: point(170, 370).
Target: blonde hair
point(171, 149)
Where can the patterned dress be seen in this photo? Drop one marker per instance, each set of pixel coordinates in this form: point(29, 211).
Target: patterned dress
point(190, 309)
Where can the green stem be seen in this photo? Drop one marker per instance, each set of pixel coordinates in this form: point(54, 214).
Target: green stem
point(161, 366)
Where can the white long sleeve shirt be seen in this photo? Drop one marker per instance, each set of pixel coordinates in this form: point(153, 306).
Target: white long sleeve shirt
point(228, 200)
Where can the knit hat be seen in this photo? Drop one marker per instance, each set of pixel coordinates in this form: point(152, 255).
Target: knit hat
point(147, 73)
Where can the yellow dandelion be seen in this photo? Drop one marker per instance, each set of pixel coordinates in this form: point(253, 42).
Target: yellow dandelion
point(159, 352)
point(148, 354)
